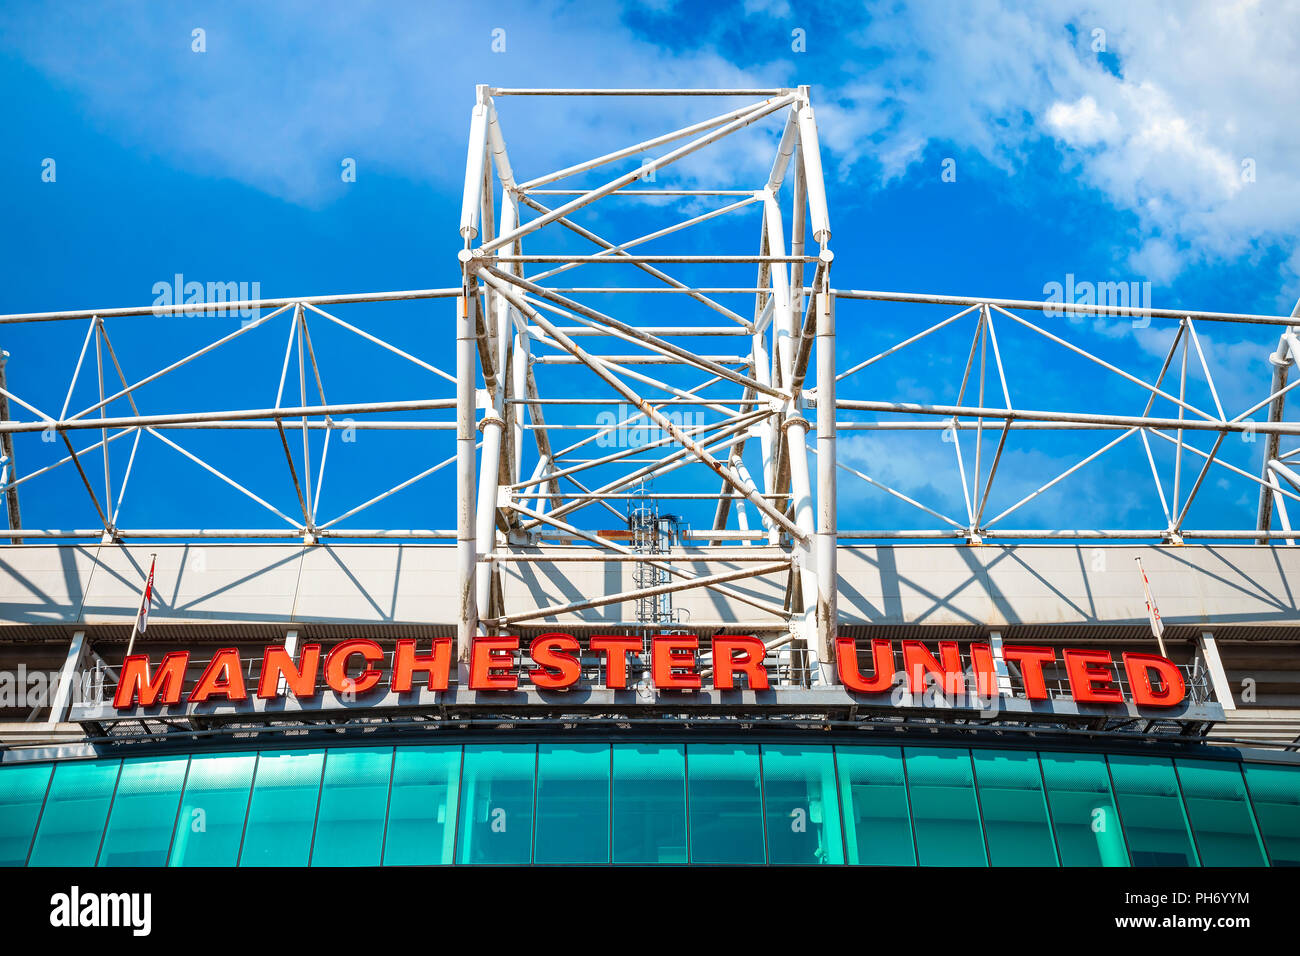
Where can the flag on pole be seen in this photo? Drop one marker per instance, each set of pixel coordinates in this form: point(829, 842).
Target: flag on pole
point(1153, 612)
point(142, 619)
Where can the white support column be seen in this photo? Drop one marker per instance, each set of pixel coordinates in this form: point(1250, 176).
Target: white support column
point(1000, 669)
point(61, 701)
point(1208, 651)
point(466, 379)
point(805, 555)
point(291, 647)
point(827, 570)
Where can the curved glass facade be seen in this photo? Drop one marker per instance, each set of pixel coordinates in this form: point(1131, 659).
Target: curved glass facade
point(649, 803)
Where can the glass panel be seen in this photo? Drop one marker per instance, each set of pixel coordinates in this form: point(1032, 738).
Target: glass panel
point(1015, 814)
point(1219, 811)
point(877, 822)
point(944, 810)
point(803, 813)
point(1152, 811)
point(496, 803)
point(213, 808)
point(726, 804)
point(1083, 810)
point(22, 791)
point(282, 813)
point(75, 811)
point(144, 812)
point(353, 803)
point(422, 808)
point(572, 804)
point(649, 803)
point(1275, 792)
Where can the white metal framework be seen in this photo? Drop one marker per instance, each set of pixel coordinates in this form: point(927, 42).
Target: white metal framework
point(756, 419)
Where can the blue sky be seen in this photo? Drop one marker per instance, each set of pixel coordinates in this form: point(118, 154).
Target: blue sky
point(1122, 163)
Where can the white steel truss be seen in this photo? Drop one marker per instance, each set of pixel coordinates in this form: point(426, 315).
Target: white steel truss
point(694, 375)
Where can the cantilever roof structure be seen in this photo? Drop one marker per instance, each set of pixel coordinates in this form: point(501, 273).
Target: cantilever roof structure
point(698, 370)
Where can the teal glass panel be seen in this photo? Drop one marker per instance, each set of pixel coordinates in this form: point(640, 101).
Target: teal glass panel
point(496, 804)
point(75, 812)
point(282, 813)
point(1275, 793)
point(873, 795)
point(1151, 810)
point(144, 812)
point(802, 809)
point(649, 812)
point(572, 804)
point(1219, 811)
point(353, 804)
point(422, 807)
point(22, 791)
point(213, 808)
point(1084, 817)
point(1016, 828)
point(944, 811)
point(726, 803)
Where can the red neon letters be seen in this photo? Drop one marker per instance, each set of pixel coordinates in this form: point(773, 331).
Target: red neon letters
point(358, 666)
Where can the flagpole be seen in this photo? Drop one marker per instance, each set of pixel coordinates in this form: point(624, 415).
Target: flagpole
point(1153, 613)
point(146, 596)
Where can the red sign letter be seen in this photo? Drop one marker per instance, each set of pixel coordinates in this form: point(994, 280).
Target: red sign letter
point(1139, 668)
point(846, 660)
point(336, 666)
point(616, 648)
point(726, 663)
point(1091, 679)
point(1031, 661)
point(917, 660)
point(674, 650)
point(555, 653)
point(436, 665)
point(222, 677)
point(135, 682)
point(492, 654)
point(276, 663)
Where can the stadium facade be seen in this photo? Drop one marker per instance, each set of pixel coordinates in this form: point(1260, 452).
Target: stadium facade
point(533, 686)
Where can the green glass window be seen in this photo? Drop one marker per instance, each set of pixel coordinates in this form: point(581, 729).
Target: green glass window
point(422, 807)
point(353, 804)
point(1275, 793)
point(22, 791)
point(873, 794)
point(799, 801)
point(572, 804)
point(944, 808)
point(144, 812)
point(1151, 810)
point(75, 811)
point(211, 820)
point(1219, 810)
point(649, 812)
point(496, 803)
point(282, 813)
point(1083, 811)
point(1013, 808)
point(725, 803)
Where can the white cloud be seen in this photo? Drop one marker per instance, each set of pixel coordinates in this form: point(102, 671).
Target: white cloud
point(1081, 123)
point(1202, 88)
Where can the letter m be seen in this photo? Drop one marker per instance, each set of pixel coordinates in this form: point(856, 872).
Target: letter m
point(163, 687)
point(1112, 294)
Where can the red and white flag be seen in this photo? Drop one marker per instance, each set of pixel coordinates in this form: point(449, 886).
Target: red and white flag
point(142, 619)
point(1153, 612)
